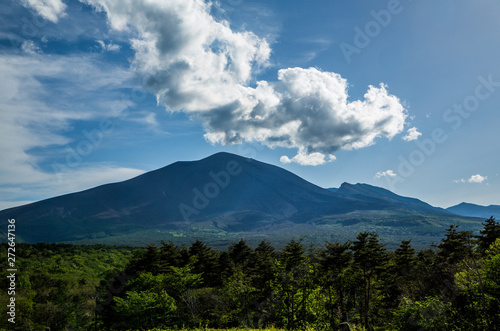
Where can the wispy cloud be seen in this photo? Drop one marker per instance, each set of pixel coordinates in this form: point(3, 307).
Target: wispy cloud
point(38, 113)
point(29, 47)
point(109, 47)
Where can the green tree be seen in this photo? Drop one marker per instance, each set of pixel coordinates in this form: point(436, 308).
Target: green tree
point(404, 267)
point(264, 267)
point(241, 254)
point(291, 285)
point(455, 245)
point(168, 256)
point(369, 258)
point(428, 314)
point(205, 261)
point(489, 233)
point(145, 309)
point(492, 282)
point(334, 262)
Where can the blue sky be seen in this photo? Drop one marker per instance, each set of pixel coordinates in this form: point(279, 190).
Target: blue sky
point(399, 94)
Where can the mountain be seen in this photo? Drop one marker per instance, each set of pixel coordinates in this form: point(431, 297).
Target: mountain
point(221, 197)
point(472, 210)
point(369, 193)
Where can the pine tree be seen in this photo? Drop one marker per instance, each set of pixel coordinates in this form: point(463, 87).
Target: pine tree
point(204, 261)
point(369, 257)
point(241, 254)
point(455, 246)
point(264, 268)
point(489, 234)
point(334, 260)
point(169, 256)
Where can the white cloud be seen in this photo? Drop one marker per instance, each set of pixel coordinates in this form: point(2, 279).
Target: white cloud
point(11, 204)
point(312, 159)
point(412, 134)
point(108, 47)
point(76, 179)
point(473, 179)
point(29, 47)
point(387, 173)
point(51, 10)
point(38, 115)
point(196, 64)
point(477, 178)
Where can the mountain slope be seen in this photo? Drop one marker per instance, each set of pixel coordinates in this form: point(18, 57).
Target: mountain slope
point(472, 210)
point(241, 191)
point(221, 196)
point(369, 193)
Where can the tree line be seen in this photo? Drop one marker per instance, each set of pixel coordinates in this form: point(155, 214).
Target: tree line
point(356, 285)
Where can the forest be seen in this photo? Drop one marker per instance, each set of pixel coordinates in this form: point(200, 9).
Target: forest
point(355, 285)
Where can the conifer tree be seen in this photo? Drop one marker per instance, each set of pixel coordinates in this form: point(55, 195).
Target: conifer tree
point(369, 257)
point(489, 234)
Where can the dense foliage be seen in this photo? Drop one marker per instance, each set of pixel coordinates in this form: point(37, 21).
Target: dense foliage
point(454, 285)
point(57, 284)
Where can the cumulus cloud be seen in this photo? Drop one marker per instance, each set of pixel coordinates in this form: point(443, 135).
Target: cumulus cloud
point(312, 159)
point(198, 65)
point(412, 134)
point(387, 173)
point(473, 179)
point(477, 178)
point(51, 10)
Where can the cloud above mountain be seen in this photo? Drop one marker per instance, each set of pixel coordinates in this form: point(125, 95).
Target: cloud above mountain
point(387, 173)
point(197, 64)
point(473, 179)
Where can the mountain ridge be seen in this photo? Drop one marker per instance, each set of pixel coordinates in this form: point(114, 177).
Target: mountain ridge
point(217, 197)
point(474, 210)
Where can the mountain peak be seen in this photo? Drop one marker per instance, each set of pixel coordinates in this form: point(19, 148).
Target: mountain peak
point(222, 192)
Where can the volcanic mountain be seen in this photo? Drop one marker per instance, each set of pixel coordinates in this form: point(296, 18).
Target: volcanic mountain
point(222, 194)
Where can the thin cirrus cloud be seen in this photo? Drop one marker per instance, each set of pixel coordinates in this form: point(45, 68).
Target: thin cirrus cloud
point(109, 47)
point(198, 65)
point(38, 112)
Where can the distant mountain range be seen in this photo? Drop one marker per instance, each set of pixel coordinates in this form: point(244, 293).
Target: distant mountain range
point(472, 210)
point(224, 197)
